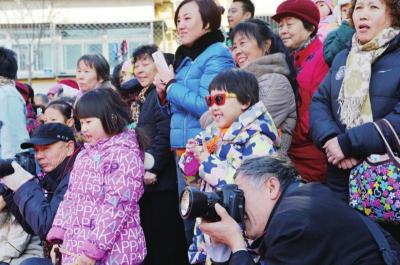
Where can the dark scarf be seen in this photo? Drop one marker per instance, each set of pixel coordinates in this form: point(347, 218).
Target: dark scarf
point(54, 177)
point(198, 47)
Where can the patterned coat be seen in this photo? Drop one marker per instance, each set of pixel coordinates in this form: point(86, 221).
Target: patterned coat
point(253, 134)
point(99, 215)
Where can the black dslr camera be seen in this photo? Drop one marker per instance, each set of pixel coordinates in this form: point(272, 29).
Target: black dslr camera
point(5, 167)
point(195, 203)
point(25, 159)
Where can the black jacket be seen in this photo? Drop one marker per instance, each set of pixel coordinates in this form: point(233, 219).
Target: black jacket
point(35, 204)
point(312, 226)
point(364, 140)
point(157, 127)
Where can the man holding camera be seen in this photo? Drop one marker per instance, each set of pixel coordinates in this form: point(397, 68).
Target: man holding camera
point(35, 204)
point(294, 223)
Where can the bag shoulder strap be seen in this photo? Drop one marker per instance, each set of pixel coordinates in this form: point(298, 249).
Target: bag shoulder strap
point(394, 135)
point(388, 255)
point(379, 127)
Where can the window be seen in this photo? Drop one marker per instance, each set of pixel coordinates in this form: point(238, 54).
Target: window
point(44, 58)
point(71, 54)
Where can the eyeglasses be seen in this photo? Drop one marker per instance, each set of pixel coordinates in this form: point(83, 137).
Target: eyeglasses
point(218, 99)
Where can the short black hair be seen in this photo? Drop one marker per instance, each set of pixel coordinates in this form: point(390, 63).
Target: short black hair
point(261, 32)
point(148, 50)
point(143, 51)
point(8, 63)
point(239, 82)
point(115, 75)
point(309, 27)
point(99, 63)
point(247, 6)
point(63, 107)
point(107, 105)
point(209, 10)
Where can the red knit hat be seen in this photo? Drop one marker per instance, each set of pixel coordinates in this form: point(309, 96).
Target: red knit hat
point(302, 9)
point(69, 82)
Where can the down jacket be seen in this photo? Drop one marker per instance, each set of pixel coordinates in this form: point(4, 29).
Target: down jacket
point(363, 140)
point(311, 69)
point(99, 215)
point(276, 93)
point(186, 95)
point(16, 245)
point(252, 134)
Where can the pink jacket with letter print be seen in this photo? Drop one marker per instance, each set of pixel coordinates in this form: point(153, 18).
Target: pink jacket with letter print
point(99, 215)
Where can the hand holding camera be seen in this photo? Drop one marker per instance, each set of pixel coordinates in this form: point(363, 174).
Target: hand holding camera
point(226, 231)
point(12, 174)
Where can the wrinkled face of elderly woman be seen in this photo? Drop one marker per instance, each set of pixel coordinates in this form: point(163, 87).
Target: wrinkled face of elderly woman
point(293, 33)
point(370, 17)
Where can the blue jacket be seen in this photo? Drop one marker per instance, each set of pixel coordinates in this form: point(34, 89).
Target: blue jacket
point(362, 140)
point(186, 95)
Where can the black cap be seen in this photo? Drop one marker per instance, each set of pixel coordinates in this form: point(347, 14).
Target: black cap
point(49, 133)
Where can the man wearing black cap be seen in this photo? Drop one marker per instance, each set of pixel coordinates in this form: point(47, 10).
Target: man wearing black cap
point(36, 203)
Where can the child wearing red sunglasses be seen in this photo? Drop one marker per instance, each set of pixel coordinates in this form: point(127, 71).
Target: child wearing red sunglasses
point(241, 128)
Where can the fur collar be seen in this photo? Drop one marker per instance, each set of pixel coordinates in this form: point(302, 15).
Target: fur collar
point(273, 63)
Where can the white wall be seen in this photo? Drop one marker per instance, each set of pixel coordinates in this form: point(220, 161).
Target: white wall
point(77, 11)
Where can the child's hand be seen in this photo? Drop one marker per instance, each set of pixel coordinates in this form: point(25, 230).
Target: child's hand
point(201, 152)
point(149, 178)
point(191, 146)
point(53, 255)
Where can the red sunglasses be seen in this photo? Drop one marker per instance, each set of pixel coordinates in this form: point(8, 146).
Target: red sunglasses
point(218, 99)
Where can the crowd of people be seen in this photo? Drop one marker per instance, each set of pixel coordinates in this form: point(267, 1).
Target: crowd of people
point(98, 164)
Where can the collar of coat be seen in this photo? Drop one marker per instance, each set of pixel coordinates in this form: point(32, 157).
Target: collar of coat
point(198, 47)
point(272, 63)
point(53, 178)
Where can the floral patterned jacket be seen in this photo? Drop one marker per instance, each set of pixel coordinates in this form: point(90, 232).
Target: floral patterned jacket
point(252, 134)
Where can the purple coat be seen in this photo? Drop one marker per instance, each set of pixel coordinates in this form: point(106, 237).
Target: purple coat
point(99, 215)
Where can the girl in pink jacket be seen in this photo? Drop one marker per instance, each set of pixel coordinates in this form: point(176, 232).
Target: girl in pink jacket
point(98, 220)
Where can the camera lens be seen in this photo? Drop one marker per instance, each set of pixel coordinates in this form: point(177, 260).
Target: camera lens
point(195, 203)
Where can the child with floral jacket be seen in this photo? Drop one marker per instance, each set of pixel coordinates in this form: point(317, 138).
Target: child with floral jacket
point(242, 128)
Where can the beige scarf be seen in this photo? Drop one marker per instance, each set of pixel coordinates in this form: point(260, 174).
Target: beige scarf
point(354, 101)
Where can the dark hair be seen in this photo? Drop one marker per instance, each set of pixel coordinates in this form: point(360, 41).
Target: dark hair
point(8, 63)
point(261, 32)
point(115, 75)
point(392, 5)
point(260, 169)
point(239, 82)
point(143, 51)
point(99, 63)
point(247, 6)
point(309, 27)
point(107, 105)
point(63, 107)
point(31, 93)
point(210, 13)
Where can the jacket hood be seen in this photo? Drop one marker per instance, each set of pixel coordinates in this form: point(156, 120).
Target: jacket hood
point(255, 119)
point(273, 63)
